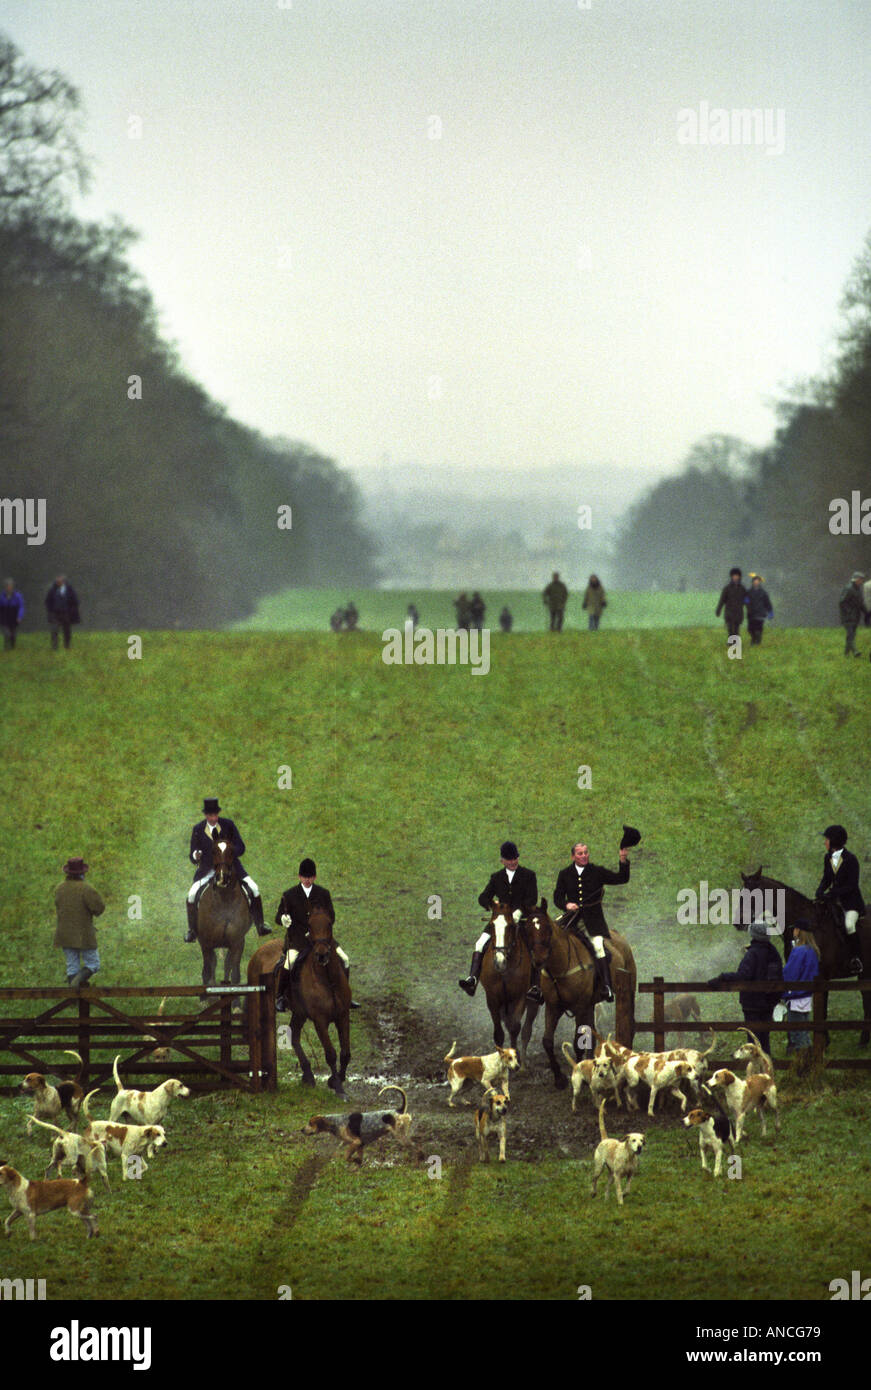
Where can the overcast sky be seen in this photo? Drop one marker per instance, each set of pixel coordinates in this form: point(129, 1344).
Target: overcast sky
point(467, 231)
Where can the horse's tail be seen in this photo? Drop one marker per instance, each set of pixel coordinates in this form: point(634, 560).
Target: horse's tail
point(68, 1052)
point(85, 1110)
point(449, 1055)
point(602, 1130)
point(404, 1107)
point(569, 1055)
point(118, 1083)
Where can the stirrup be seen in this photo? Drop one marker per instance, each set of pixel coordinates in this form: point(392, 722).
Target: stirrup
point(470, 984)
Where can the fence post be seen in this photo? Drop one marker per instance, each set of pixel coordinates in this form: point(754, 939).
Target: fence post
point(255, 1037)
point(268, 1050)
point(226, 1024)
point(819, 1016)
point(624, 1013)
point(658, 1014)
point(84, 1039)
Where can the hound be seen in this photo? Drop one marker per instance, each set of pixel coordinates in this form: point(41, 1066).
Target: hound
point(681, 1009)
point(661, 1073)
point(123, 1141)
point(714, 1132)
point(144, 1107)
point(490, 1117)
point(48, 1100)
point(619, 1156)
point(33, 1199)
point(756, 1093)
point(70, 1147)
point(697, 1059)
point(598, 1073)
point(493, 1067)
point(159, 1054)
point(362, 1127)
point(758, 1062)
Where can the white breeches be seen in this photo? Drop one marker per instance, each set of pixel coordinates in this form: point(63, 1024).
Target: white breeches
point(482, 941)
point(599, 946)
point(293, 956)
point(198, 883)
point(850, 920)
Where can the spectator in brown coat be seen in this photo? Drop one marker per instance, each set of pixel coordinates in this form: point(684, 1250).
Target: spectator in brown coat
point(77, 904)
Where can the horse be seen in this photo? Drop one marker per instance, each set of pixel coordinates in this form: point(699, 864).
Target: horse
point(506, 974)
point(827, 934)
point(568, 978)
point(223, 916)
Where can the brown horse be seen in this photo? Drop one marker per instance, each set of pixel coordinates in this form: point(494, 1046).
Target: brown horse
point(320, 991)
point(223, 916)
point(567, 980)
point(828, 934)
point(506, 973)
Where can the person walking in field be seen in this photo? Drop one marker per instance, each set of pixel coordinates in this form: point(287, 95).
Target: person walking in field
point(461, 608)
point(556, 596)
point(594, 602)
point(477, 609)
point(11, 612)
point(506, 621)
point(851, 606)
point(732, 600)
point(62, 607)
point(759, 608)
point(77, 904)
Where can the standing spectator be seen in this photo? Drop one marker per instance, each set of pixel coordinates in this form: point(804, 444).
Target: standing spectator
point(866, 599)
point(759, 962)
point(506, 621)
point(477, 609)
point(62, 607)
point(412, 616)
point(461, 605)
point(11, 612)
point(77, 904)
point(803, 965)
point(594, 602)
point(351, 616)
point(758, 609)
point(732, 600)
point(337, 619)
point(556, 596)
point(851, 606)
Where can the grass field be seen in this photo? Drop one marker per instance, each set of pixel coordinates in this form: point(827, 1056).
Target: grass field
point(404, 782)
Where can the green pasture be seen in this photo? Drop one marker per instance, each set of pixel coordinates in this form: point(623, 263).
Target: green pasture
point(404, 782)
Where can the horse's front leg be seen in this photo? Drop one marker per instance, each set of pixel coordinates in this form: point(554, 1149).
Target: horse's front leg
point(209, 965)
point(296, 1022)
point(529, 1018)
point(343, 1028)
point(322, 1028)
point(552, 1016)
point(865, 1034)
point(496, 1015)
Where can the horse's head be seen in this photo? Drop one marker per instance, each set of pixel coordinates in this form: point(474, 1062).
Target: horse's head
point(539, 932)
point(503, 924)
point(223, 859)
point(320, 929)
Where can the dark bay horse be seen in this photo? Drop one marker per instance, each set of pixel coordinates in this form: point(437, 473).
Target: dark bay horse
point(828, 934)
point(223, 916)
point(567, 979)
point(506, 974)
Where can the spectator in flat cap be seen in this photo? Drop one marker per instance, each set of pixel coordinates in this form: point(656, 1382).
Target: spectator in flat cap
point(851, 606)
point(293, 911)
point(517, 889)
point(77, 904)
point(761, 961)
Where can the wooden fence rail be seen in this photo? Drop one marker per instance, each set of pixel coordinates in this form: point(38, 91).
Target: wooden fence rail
point(241, 1048)
point(817, 1024)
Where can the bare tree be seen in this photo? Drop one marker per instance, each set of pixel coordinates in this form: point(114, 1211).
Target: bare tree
point(41, 160)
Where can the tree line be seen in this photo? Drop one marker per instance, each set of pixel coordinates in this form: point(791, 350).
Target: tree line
point(163, 509)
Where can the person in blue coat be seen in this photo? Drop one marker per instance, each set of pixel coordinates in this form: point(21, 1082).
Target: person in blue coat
point(11, 612)
point(202, 855)
point(802, 966)
point(761, 961)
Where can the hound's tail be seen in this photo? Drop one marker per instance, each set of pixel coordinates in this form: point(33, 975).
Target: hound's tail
point(68, 1052)
point(48, 1126)
point(85, 1110)
point(450, 1054)
point(753, 1037)
point(569, 1055)
point(602, 1130)
point(401, 1092)
point(118, 1082)
point(713, 1044)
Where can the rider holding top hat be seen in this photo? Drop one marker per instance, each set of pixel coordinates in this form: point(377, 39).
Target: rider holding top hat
point(579, 891)
point(202, 855)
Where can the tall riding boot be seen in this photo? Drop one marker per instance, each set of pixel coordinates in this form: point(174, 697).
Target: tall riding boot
point(354, 1004)
point(192, 922)
point(282, 997)
point(470, 984)
point(534, 992)
point(257, 914)
point(603, 978)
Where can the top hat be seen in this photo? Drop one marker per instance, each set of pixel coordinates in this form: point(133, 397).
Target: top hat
point(210, 806)
point(76, 866)
point(631, 837)
point(509, 850)
point(308, 869)
point(836, 836)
